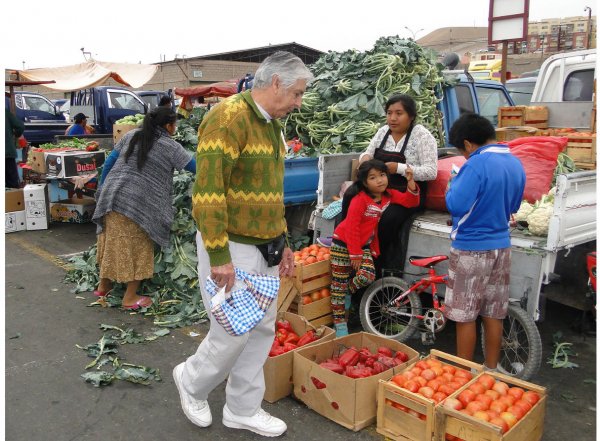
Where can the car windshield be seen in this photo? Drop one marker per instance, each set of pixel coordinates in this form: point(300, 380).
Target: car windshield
point(521, 92)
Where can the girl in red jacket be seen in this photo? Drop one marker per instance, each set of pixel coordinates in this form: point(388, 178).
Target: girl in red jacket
point(355, 241)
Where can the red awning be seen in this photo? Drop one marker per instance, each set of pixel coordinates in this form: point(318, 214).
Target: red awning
point(221, 89)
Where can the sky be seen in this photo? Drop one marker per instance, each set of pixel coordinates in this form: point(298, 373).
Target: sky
point(43, 34)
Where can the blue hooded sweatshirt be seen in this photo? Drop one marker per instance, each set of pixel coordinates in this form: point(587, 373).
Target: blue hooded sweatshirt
point(482, 197)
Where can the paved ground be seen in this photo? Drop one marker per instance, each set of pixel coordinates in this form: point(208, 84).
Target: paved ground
point(46, 399)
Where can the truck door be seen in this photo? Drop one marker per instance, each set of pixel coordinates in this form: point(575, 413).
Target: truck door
point(122, 103)
point(36, 108)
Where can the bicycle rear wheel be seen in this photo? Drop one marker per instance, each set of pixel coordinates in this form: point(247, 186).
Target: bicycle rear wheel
point(378, 317)
point(521, 350)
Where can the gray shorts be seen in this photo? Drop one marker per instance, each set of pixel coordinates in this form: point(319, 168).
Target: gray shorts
point(478, 284)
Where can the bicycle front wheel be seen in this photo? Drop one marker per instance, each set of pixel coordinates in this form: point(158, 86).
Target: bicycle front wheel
point(379, 317)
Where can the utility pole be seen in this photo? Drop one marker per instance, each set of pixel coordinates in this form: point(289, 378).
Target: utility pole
point(589, 27)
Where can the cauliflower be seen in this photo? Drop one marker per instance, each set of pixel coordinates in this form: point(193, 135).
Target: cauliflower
point(549, 197)
point(524, 210)
point(539, 219)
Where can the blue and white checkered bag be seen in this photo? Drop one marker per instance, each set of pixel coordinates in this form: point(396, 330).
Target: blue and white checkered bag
point(240, 310)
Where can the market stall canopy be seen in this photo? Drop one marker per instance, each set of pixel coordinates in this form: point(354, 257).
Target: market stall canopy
point(222, 89)
point(91, 73)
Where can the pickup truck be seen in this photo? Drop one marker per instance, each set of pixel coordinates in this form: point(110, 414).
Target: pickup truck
point(103, 105)
point(304, 180)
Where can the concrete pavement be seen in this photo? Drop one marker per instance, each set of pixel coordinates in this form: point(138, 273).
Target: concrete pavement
point(46, 399)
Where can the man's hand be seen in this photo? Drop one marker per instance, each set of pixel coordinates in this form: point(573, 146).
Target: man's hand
point(286, 266)
point(223, 275)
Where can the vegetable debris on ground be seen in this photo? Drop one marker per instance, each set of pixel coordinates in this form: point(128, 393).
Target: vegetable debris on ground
point(562, 352)
point(344, 106)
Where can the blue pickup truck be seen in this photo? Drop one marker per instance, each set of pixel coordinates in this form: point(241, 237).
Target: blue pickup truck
point(467, 95)
point(103, 105)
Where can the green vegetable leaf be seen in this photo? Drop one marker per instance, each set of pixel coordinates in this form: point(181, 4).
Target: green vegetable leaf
point(98, 379)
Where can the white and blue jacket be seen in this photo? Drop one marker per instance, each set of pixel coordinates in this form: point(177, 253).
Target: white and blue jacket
point(482, 197)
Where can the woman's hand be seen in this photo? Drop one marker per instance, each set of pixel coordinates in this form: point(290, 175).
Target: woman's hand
point(223, 275)
point(286, 266)
point(410, 178)
point(392, 167)
point(365, 158)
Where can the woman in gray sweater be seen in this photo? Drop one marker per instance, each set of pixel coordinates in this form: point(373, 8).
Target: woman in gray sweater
point(134, 204)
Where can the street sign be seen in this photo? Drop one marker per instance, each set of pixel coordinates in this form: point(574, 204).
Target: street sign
point(507, 20)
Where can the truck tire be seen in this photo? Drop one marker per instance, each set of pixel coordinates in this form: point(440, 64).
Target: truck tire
point(521, 350)
point(378, 318)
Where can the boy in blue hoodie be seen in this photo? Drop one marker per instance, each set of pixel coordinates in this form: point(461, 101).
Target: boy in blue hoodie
point(481, 199)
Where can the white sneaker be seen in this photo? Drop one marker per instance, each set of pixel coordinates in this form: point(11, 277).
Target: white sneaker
point(197, 411)
point(262, 422)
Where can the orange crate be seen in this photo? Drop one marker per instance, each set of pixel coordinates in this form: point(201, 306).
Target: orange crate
point(307, 279)
point(397, 424)
point(532, 116)
point(463, 426)
point(582, 148)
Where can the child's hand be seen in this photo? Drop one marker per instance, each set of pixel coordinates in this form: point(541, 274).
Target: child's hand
point(356, 264)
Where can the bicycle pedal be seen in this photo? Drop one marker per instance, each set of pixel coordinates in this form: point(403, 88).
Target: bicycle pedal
point(427, 338)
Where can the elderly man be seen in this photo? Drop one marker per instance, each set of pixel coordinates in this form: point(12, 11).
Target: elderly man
point(239, 211)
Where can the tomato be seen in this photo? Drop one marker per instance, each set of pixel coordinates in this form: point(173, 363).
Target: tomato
point(481, 415)
point(516, 411)
point(532, 397)
point(413, 413)
point(399, 379)
point(422, 365)
point(460, 380)
point(446, 388)
point(446, 377)
point(508, 399)
point(449, 369)
point(306, 300)
point(497, 421)
point(498, 406)
point(434, 384)
point(492, 413)
point(450, 437)
point(464, 374)
point(492, 393)
point(487, 381)
point(325, 293)
point(501, 387)
point(315, 296)
point(478, 388)
point(438, 370)
point(434, 362)
point(466, 396)
point(475, 406)
point(438, 397)
point(516, 392)
point(455, 385)
point(428, 374)
point(399, 407)
point(416, 370)
point(485, 399)
point(421, 381)
point(509, 418)
point(426, 391)
point(411, 385)
point(409, 375)
point(453, 403)
point(525, 405)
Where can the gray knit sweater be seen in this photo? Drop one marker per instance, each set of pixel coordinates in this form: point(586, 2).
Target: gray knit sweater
point(144, 196)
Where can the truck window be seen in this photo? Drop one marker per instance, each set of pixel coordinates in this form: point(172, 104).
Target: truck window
point(489, 100)
point(30, 102)
point(464, 98)
point(579, 86)
point(123, 100)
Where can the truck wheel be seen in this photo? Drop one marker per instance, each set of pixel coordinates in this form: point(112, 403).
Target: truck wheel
point(521, 351)
point(378, 317)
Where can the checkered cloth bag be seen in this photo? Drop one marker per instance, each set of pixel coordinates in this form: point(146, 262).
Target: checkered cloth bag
point(240, 310)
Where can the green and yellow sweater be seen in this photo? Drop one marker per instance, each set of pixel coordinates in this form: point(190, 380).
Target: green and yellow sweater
point(238, 192)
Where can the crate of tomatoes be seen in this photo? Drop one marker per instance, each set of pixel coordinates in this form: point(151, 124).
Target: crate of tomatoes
point(312, 278)
point(291, 332)
point(406, 403)
point(493, 407)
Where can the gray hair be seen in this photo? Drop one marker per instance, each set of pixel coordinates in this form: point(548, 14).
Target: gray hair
point(288, 67)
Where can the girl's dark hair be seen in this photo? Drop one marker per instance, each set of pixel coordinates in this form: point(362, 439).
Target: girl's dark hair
point(360, 184)
point(145, 138)
point(407, 101)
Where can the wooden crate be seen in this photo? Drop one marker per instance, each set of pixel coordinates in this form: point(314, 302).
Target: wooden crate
point(397, 424)
point(308, 279)
point(505, 134)
point(467, 428)
point(287, 293)
point(531, 116)
point(582, 148)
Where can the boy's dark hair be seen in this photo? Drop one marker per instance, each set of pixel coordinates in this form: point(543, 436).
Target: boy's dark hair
point(145, 138)
point(473, 128)
point(359, 185)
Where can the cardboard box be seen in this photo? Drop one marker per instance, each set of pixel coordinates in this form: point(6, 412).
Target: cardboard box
point(73, 163)
point(349, 402)
point(37, 161)
point(119, 130)
point(74, 210)
point(278, 370)
point(398, 425)
point(14, 221)
point(468, 428)
point(37, 210)
point(14, 200)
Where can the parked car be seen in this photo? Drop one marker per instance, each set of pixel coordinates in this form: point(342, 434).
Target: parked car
point(521, 90)
point(153, 97)
point(59, 102)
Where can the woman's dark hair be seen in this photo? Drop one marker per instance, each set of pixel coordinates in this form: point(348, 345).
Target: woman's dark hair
point(145, 138)
point(473, 128)
point(360, 184)
point(407, 101)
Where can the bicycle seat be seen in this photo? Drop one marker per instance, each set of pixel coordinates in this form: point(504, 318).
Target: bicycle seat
point(426, 262)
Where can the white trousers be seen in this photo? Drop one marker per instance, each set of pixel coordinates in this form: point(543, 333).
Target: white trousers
point(222, 355)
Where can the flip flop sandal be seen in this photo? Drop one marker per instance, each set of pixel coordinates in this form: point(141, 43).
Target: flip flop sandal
point(102, 293)
point(144, 302)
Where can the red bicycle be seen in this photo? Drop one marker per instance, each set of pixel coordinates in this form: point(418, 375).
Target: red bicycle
point(392, 308)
